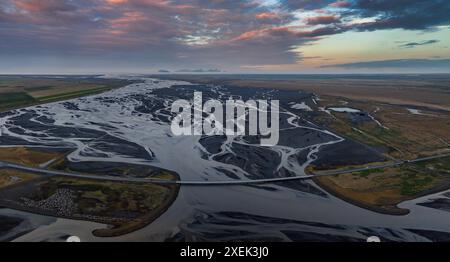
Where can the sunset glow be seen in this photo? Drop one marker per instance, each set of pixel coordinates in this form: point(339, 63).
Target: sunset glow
point(235, 36)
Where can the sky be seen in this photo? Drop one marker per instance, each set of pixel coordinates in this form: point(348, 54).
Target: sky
point(224, 36)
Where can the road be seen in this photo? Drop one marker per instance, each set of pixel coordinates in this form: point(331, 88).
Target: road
point(143, 180)
point(212, 183)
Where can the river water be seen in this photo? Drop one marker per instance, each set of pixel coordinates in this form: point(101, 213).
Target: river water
point(135, 119)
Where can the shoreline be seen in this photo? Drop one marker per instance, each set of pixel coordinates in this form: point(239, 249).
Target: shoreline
point(395, 211)
point(122, 225)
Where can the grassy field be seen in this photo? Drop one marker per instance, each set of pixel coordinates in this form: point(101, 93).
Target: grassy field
point(9, 177)
point(73, 94)
point(405, 135)
point(21, 91)
point(382, 189)
point(402, 135)
point(126, 206)
point(15, 99)
point(28, 156)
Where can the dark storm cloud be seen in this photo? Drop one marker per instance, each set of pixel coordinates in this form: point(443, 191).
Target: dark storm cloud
point(306, 4)
point(415, 44)
point(389, 14)
point(399, 63)
point(405, 14)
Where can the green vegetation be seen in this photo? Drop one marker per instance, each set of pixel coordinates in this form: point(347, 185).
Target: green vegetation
point(22, 91)
point(423, 174)
point(368, 172)
point(164, 175)
point(72, 94)
point(382, 189)
point(413, 184)
point(32, 157)
point(440, 165)
point(126, 206)
point(38, 88)
point(107, 198)
point(15, 99)
point(10, 177)
point(402, 135)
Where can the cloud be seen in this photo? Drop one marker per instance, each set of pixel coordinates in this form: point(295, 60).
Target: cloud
point(206, 33)
point(214, 70)
point(116, 2)
point(44, 6)
point(415, 44)
point(405, 14)
point(306, 4)
point(311, 57)
point(267, 15)
point(323, 20)
point(340, 4)
point(398, 63)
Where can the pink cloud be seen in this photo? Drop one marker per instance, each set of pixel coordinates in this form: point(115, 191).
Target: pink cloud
point(160, 28)
point(277, 32)
point(267, 15)
point(323, 20)
point(36, 6)
point(116, 2)
point(340, 4)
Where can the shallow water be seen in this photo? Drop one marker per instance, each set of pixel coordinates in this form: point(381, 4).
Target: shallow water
point(344, 109)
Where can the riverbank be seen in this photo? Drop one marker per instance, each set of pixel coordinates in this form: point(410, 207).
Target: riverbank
point(124, 207)
point(387, 210)
point(382, 190)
